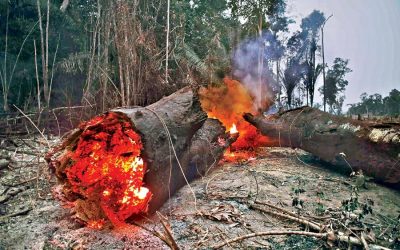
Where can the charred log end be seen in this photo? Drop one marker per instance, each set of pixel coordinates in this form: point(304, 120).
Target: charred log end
point(102, 169)
point(123, 136)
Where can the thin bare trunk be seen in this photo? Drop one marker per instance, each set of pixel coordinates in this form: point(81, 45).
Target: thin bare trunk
point(64, 5)
point(118, 48)
point(277, 81)
point(128, 54)
point(6, 48)
point(260, 60)
point(307, 97)
point(42, 48)
point(37, 75)
point(128, 84)
point(92, 50)
point(104, 80)
point(134, 62)
point(323, 67)
point(167, 45)
point(46, 80)
point(5, 84)
point(52, 70)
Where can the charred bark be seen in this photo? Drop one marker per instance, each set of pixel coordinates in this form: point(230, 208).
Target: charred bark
point(178, 142)
point(372, 148)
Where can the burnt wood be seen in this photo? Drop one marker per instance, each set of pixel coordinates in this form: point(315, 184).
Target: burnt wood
point(198, 143)
point(371, 147)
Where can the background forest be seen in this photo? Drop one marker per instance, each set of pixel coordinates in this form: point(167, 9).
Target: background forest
point(105, 54)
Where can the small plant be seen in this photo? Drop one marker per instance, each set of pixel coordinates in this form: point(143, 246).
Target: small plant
point(355, 208)
point(320, 209)
point(350, 205)
point(297, 202)
point(366, 208)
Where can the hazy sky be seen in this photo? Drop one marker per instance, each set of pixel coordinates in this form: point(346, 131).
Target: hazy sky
point(365, 31)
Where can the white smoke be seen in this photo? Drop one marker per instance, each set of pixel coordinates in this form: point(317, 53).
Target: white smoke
point(250, 65)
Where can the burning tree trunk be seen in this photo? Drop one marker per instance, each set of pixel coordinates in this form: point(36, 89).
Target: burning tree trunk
point(372, 148)
point(117, 164)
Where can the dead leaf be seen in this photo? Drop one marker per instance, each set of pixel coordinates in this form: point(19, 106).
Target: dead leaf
point(226, 213)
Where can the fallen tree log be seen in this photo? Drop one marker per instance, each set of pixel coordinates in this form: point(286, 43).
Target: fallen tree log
point(177, 144)
point(370, 147)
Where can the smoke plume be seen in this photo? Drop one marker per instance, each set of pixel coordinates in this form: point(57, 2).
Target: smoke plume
point(251, 66)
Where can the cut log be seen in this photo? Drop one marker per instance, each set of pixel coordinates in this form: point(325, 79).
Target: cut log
point(179, 144)
point(370, 147)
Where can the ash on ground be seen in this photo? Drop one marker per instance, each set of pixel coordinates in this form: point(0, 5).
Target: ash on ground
point(30, 218)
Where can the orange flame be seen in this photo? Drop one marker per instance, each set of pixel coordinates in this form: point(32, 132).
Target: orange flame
point(107, 167)
point(228, 103)
point(233, 130)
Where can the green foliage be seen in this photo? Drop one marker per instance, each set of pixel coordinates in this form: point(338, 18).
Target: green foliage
point(352, 203)
point(377, 105)
point(203, 35)
point(301, 57)
point(297, 242)
point(23, 26)
point(311, 26)
point(354, 206)
point(297, 200)
point(320, 209)
point(291, 77)
point(335, 85)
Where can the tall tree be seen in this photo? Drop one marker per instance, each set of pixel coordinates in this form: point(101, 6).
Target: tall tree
point(262, 22)
point(377, 105)
point(336, 84)
point(279, 23)
point(291, 78)
point(294, 69)
point(310, 26)
point(392, 102)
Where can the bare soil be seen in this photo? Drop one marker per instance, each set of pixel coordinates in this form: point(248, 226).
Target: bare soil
point(30, 218)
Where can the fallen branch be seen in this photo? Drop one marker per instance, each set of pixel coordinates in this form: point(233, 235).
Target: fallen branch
point(277, 208)
point(10, 193)
point(167, 228)
point(317, 227)
point(300, 220)
point(22, 212)
point(22, 182)
point(364, 242)
point(252, 235)
point(16, 150)
point(34, 125)
point(319, 217)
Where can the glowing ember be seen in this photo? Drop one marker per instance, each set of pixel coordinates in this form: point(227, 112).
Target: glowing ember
point(243, 155)
point(228, 103)
point(106, 193)
point(96, 224)
point(107, 168)
point(141, 193)
point(233, 130)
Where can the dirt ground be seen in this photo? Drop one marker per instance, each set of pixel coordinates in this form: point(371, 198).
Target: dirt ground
point(226, 204)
